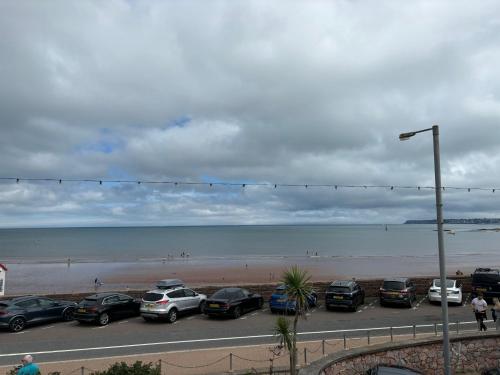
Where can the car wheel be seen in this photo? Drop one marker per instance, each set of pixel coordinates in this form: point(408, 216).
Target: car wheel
point(68, 314)
point(172, 315)
point(329, 308)
point(363, 300)
point(314, 301)
point(201, 307)
point(17, 324)
point(103, 319)
point(236, 312)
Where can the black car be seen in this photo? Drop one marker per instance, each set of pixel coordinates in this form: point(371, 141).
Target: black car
point(398, 291)
point(232, 302)
point(103, 307)
point(391, 370)
point(344, 293)
point(18, 312)
point(487, 282)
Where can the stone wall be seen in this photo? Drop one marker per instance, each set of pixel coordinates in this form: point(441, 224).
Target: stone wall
point(470, 353)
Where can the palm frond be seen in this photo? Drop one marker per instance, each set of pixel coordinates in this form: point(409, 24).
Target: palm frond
point(284, 332)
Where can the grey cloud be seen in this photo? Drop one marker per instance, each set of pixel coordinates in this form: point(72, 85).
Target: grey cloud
point(280, 92)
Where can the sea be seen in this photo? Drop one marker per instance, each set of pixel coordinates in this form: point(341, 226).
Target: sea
point(35, 256)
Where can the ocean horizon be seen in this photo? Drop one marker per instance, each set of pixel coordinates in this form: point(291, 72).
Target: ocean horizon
point(58, 260)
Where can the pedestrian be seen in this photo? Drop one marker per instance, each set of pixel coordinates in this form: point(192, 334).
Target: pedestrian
point(479, 306)
point(495, 313)
point(28, 367)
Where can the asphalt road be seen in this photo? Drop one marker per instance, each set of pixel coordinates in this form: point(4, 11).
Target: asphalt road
point(71, 340)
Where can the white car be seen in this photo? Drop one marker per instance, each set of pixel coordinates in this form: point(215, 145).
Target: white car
point(453, 291)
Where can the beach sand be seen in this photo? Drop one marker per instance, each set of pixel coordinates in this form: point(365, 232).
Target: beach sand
point(25, 278)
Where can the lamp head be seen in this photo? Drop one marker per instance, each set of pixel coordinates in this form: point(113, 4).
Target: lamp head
point(406, 136)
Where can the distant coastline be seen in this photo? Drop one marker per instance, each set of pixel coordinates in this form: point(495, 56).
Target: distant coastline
point(457, 221)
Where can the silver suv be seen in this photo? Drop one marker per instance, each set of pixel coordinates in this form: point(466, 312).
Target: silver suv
point(169, 299)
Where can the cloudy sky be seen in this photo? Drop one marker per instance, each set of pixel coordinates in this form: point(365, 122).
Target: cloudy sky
point(285, 92)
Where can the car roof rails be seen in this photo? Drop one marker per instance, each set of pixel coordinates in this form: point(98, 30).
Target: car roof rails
point(487, 269)
point(169, 284)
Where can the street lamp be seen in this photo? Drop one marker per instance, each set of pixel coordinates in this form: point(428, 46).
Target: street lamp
point(439, 213)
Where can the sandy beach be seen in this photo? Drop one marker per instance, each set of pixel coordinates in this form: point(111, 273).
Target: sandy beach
point(61, 277)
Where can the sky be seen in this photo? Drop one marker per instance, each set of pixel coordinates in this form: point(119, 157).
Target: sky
point(250, 92)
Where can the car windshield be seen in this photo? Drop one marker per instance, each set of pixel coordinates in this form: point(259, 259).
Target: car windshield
point(339, 289)
point(153, 297)
point(221, 294)
point(449, 283)
point(394, 285)
point(89, 302)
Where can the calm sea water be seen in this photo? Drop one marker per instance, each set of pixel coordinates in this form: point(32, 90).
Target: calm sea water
point(37, 258)
point(148, 243)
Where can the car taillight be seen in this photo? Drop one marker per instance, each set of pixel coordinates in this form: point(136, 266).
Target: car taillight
point(92, 309)
point(404, 291)
point(3, 312)
point(164, 302)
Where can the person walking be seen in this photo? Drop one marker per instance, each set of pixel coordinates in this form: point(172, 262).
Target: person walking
point(28, 367)
point(479, 306)
point(495, 312)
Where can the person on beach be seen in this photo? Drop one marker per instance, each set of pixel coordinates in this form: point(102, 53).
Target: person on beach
point(495, 313)
point(479, 306)
point(28, 367)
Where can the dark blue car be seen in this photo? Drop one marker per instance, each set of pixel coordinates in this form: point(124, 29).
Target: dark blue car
point(279, 301)
point(18, 312)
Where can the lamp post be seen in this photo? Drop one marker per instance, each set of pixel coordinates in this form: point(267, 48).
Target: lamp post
point(439, 214)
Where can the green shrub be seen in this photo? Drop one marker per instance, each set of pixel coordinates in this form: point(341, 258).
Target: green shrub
point(137, 368)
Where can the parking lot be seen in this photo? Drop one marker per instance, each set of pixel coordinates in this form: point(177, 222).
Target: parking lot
point(72, 340)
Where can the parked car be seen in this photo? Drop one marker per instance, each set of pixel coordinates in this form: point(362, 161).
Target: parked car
point(345, 294)
point(170, 299)
point(493, 371)
point(399, 290)
point(487, 282)
point(453, 291)
point(391, 370)
point(17, 313)
point(104, 307)
point(280, 301)
point(232, 302)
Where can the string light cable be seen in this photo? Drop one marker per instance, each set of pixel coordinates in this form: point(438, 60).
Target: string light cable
point(239, 184)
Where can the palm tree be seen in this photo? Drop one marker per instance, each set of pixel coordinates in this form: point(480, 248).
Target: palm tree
point(298, 288)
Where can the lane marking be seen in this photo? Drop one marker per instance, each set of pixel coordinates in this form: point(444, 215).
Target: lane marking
point(48, 327)
point(253, 314)
point(100, 327)
point(224, 339)
point(20, 333)
point(243, 317)
point(265, 310)
point(122, 322)
point(190, 318)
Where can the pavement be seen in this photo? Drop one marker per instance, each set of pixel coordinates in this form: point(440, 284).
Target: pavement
point(223, 360)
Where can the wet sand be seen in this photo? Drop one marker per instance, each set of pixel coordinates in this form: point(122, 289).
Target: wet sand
point(26, 278)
